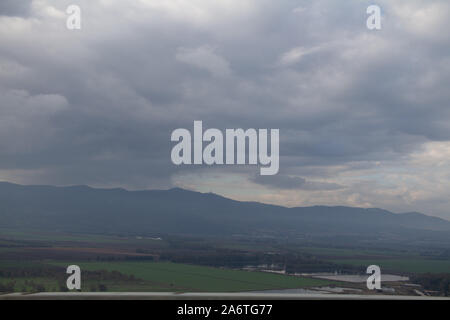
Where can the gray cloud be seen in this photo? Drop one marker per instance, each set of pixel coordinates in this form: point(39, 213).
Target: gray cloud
point(15, 7)
point(297, 183)
point(97, 106)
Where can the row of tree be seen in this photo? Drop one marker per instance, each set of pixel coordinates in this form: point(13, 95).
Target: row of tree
point(439, 282)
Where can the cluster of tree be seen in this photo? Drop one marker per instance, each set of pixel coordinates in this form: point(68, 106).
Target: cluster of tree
point(439, 282)
point(8, 286)
point(28, 285)
point(290, 262)
point(102, 275)
point(31, 272)
point(34, 286)
point(96, 278)
point(98, 287)
point(125, 258)
point(215, 258)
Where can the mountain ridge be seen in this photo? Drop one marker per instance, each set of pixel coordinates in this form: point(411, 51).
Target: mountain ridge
point(180, 211)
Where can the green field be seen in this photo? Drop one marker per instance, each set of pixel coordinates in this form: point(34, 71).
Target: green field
point(164, 276)
point(37, 261)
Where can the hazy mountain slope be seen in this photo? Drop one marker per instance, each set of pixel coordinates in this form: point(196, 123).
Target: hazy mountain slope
point(85, 209)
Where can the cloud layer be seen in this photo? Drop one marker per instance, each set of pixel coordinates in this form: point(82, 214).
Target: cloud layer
point(363, 115)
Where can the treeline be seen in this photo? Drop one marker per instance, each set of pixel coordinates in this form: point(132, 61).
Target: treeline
point(32, 272)
point(124, 258)
point(292, 263)
point(8, 286)
point(95, 280)
point(439, 282)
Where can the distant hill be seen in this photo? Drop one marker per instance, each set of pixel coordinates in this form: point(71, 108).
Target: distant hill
point(177, 211)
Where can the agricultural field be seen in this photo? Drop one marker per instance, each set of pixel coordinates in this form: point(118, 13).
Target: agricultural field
point(199, 278)
point(32, 262)
point(164, 276)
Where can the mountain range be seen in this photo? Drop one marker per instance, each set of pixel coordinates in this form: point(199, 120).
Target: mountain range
point(83, 209)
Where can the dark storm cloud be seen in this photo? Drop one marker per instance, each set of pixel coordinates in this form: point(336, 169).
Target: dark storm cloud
point(97, 106)
point(15, 7)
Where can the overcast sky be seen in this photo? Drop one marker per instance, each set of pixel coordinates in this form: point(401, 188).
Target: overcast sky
point(364, 116)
